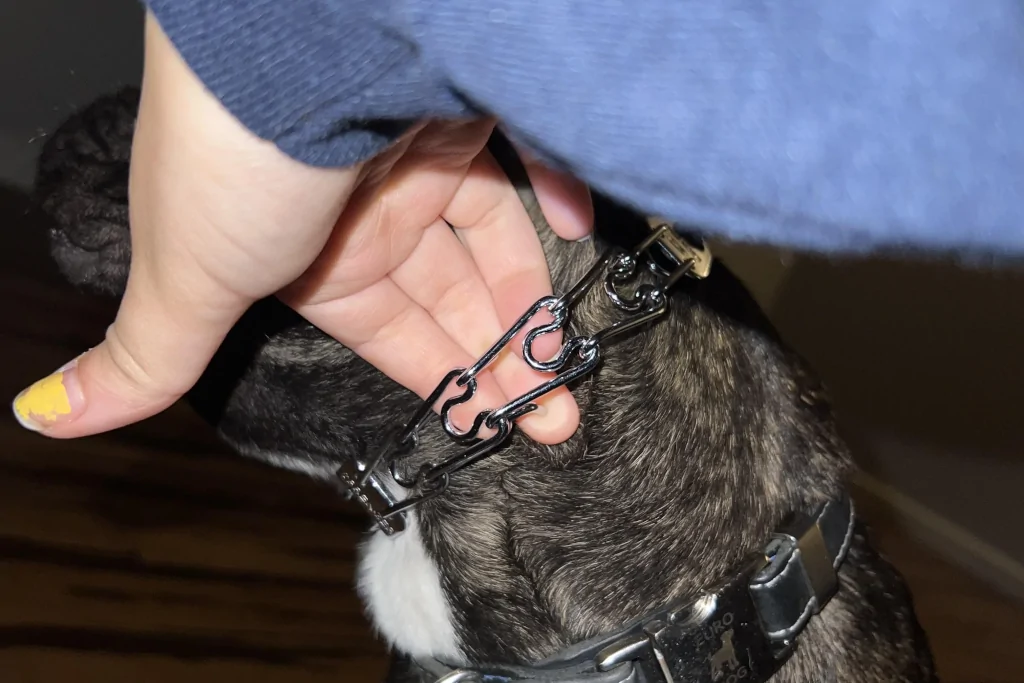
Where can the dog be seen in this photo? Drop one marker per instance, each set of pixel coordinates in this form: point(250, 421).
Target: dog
point(700, 435)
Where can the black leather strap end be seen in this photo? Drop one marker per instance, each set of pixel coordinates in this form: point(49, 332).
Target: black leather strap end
point(801, 576)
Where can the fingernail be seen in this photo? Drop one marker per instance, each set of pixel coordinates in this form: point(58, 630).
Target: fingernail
point(586, 238)
point(556, 420)
point(53, 400)
point(545, 418)
point(539, 413)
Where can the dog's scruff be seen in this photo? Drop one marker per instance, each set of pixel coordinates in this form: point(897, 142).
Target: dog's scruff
point(699, 435)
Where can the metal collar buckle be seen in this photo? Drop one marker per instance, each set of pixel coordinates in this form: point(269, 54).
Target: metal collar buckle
point(716, 638)
point(387, 493)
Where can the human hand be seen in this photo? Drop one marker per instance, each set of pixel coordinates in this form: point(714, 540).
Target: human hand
point(220, 219)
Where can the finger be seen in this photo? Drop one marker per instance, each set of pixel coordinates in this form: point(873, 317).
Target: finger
point(503, 243)
point(565, 201)
point(441, 278)
point(172, 316)
point(387, 329)
point(491, 221)
point(152, 354)
point(456, 296)
point(379, 229)
point(385, 220)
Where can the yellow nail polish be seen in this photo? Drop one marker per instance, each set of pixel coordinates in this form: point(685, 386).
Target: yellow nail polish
point(43, 403)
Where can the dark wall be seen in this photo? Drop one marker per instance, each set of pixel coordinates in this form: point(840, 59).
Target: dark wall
point(926, 364)
point(56, 55)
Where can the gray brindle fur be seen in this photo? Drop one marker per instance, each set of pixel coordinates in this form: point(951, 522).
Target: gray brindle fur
point(698, 436)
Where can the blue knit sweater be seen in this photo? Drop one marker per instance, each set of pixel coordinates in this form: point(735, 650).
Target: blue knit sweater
point(815, 124)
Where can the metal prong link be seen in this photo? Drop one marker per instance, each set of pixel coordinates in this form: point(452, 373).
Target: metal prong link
point(578, 357)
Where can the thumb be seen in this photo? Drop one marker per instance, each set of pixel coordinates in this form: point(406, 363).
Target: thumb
point(218, 220)
point(156, 349)
point(175, 311)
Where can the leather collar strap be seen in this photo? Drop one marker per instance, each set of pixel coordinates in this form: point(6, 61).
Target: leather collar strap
point(742, 631)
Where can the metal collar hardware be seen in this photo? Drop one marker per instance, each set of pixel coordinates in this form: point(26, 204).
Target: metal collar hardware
point(387, 492)
point(741, 631)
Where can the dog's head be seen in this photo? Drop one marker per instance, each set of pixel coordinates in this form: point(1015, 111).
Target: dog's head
point(698, 433)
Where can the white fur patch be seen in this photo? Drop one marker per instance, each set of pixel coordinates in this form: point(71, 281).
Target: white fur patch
point(400, 585)
point(294, 464)
point(398, 581)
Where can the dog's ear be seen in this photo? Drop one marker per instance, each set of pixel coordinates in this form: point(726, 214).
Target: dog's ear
point(81, 185)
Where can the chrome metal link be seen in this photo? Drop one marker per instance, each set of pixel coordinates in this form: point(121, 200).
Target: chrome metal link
point(668, 255)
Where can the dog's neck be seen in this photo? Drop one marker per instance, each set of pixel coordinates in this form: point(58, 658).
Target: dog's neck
point(698, 436)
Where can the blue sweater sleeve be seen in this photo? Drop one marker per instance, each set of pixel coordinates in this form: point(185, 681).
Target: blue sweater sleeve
point(844, 126)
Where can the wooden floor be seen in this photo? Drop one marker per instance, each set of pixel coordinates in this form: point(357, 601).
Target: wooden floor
point(152, 555)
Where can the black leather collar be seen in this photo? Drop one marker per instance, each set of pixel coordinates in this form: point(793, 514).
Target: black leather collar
point(741, 631)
